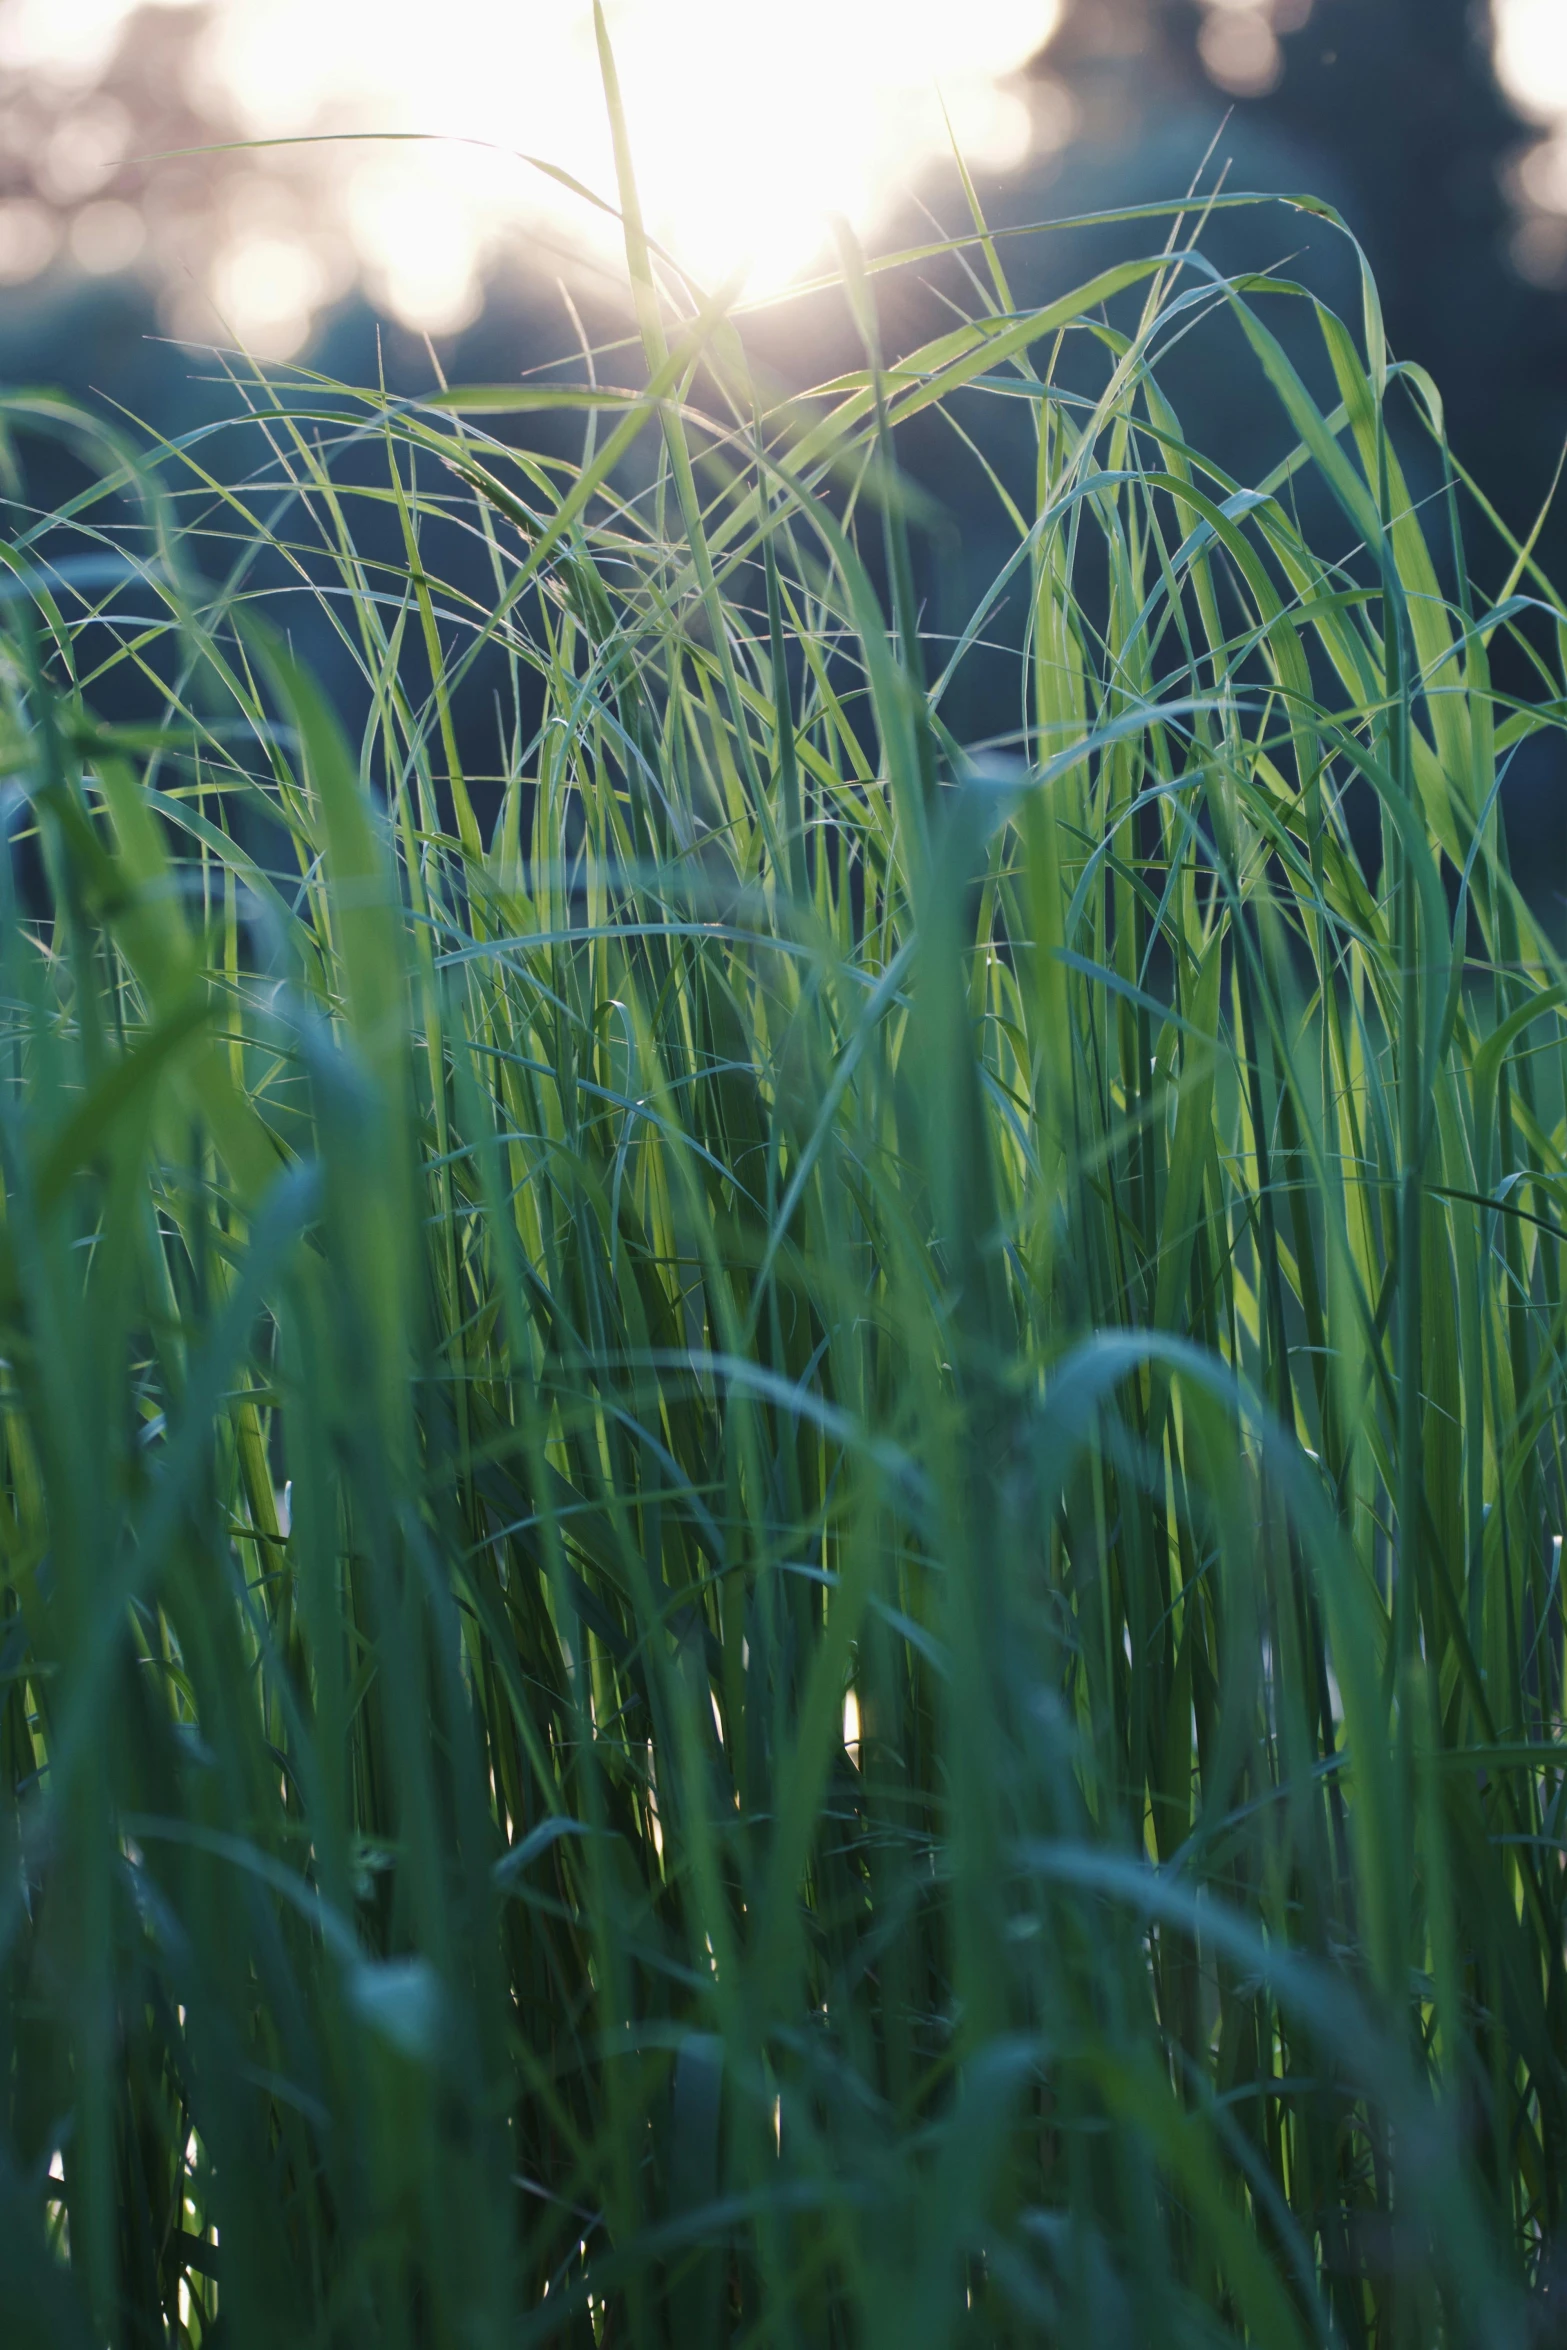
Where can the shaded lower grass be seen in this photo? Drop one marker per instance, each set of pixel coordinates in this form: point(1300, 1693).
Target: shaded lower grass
point(781, 1540)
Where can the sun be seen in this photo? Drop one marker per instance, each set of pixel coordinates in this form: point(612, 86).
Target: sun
point(752, 124)
point(1531, 56)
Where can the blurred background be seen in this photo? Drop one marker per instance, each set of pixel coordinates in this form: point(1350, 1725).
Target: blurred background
point(141, 237)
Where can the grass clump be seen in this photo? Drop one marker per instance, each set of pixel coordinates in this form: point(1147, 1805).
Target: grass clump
point(781, 1502)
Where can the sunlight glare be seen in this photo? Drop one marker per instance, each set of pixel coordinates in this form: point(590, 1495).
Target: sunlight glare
point(1531, 56)
point(751, 126)
point(267, 288)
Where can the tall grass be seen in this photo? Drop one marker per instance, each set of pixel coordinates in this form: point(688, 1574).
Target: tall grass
point(781, 1502)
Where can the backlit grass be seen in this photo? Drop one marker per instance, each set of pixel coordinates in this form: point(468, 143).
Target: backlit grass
point(781, 1501)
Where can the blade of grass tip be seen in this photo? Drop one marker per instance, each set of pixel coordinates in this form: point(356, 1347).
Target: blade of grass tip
point(650, 322)
point(987, 243)
point(787, 756)
point(900, 569)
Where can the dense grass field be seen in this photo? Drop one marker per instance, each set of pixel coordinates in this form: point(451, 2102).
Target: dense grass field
point(780, 1541)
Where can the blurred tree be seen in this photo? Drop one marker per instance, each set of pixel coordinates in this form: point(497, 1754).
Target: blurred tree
point(1393, 108)
point(1403, 95)
point(1393, 111)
